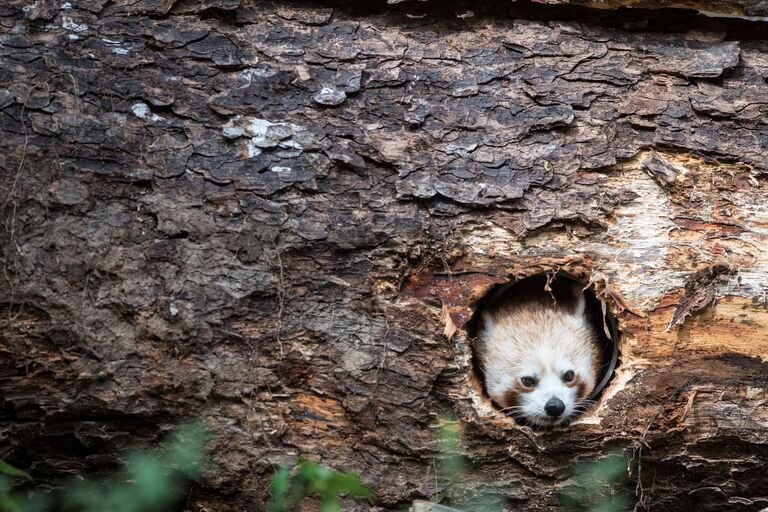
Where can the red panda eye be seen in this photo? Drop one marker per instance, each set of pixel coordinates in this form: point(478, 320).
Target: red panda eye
point(568, 376)
point(528, 382)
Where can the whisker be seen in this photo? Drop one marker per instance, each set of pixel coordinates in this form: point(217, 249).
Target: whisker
point(583, 407)
point(606, 365)
point(512, 410)
point(511, 407)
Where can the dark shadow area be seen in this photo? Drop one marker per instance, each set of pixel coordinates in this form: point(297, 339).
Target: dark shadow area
point(462, 13)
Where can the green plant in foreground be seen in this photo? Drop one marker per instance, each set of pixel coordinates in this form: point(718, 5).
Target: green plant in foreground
point(449, 435)
point(151, 481)
point(598, 486)
point(452, 468)
point(9, 502)
point(289, 487)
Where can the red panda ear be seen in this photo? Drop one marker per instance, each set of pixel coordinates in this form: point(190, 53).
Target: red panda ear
point(488, 321)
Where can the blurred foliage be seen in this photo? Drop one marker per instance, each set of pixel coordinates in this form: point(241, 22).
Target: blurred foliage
point(449, 435)
point(289, 487)
point(151, 481)
point(453, 470)
point(598, 486)
point(9, 470)
point(9, 502)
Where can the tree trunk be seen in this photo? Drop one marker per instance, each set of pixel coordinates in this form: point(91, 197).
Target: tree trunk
point(279, 217)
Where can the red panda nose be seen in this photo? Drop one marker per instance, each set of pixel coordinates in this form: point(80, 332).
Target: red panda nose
point(554, 407)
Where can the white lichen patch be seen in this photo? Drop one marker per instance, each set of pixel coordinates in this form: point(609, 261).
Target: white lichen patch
point(141, 110)
point(233, 132)
point(330, 96)
point(118, 47)
point(253, 150)
point(68, 23)
point(248, 74)
point(287, 139)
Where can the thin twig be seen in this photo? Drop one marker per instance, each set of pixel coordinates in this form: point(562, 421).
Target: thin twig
point(281, 300)
point(640, 443)
point(11, 225)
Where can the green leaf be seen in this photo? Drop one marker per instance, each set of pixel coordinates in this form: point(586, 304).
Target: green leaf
point(310, 477)
point(317, 475)
point(152, 481)
point(330, 503)
point(12, 471)
point(186, 449)
point(598, 486)
point(279, 488)
point(451, 460)
point(348, 483)
point(10, 503)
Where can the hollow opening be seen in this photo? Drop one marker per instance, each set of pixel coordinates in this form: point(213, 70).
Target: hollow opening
point(556, 287)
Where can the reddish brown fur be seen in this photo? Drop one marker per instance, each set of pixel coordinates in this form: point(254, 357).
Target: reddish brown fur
point(583, 391)
point(511, 398)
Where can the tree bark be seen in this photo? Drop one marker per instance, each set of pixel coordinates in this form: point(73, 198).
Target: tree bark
point(748, 8)
point(279, 217)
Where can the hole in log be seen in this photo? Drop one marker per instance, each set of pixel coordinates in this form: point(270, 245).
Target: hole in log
point(557, 287)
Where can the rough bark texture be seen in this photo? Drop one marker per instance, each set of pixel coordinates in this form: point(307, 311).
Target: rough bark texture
point(752, 8)
point(278, 217)
point(740, 8)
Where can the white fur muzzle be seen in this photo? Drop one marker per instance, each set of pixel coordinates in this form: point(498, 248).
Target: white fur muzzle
point(540, 363)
